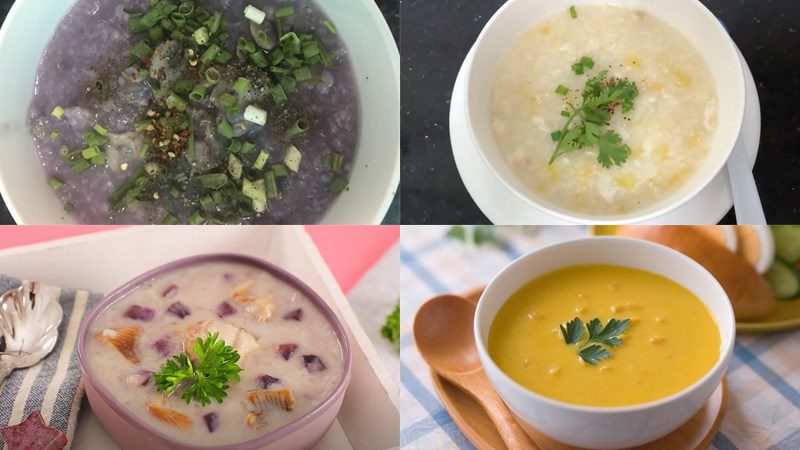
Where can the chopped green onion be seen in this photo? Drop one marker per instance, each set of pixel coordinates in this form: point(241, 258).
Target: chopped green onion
point(259, 59)
point(155, 34)
point(198, 93)
point(234, 167)
point(225, 128)
point(262, 40)
point(334, 161)
point(254, 14)
point(141, 50)
point(302, 74)
point(207, 203)
point(300, 126)
point(234, 146)
point(255, 114)
point(213, 22)
point(261, 160)
point(175, 102)
point(223, 57)
point(241, 85)
point(212, 180)
point(562, 90)
point(180, 177)
point(54, 135)
point(227, 101)
point(247, 147)
point(246, 45)
point(310, 49)
point(337, 185)
point(182, 87)
point(586, 62)
point(210, 53)
point(555, 135)
point(212, 75)
point(196, 218)
point(95, 139)
point(169, 219)
point(279, 170)
point(143, 150)
point(81, 166)
point(271, 184)
point(58, 112)
point(201, 36)
point(55, 183)
point(69, 207)
point(129, 190)
point(102, 131)
point(572, 12)
point(255, 190)
point(140, 125)
point(90, 152)
point(330, 27)
point(284, 12)
point(288, 84)
point(99, 160)
point(278, 94)
point(577, 68)
point(292, 158)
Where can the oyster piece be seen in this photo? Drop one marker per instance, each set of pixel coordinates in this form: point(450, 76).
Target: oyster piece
point(260, 308)
point(241, 341)
point(123, 339)
point(260, 400)
point(169, 416)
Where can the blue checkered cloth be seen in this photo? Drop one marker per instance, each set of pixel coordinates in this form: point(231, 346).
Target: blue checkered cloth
point(763, 377)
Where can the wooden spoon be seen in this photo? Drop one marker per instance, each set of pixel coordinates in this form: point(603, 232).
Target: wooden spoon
point(444, 337)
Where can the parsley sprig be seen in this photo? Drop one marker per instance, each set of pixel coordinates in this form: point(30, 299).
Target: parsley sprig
point(207, 377)
point(601, 95)
point(391, 330)
point(593, 350)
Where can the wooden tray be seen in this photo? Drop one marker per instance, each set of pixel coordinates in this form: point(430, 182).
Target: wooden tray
point(696, 433)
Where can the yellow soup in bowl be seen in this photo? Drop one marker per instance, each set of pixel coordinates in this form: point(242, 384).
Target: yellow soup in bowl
point(602, 335)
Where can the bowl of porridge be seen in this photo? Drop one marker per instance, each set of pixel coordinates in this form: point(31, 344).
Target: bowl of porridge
point(281, 352)
point(604, 111)
point(199, 112)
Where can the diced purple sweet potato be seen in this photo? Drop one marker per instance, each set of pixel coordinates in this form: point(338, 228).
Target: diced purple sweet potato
point(33, 433)
point(286, 350)
point(296, 314)
point(179, 309)
point(225, 309)
point(142, 313)
point(266, 381)
point(170, 291)
point(212, 421)
point(163, 346)
point(313, 363)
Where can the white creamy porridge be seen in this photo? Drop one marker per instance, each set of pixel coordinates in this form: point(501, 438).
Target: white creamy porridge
point(290, 355)
point(669, 130)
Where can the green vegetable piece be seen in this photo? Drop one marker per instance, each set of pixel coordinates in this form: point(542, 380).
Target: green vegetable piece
point(338, 184)
point(261, 160)
point(55, 183)
point(572, 12)
point(562, 90)
point(212, 180)
point(284, 12)
point(234, 167)
point(572, 331)
point(241, 85)
point(58, 112)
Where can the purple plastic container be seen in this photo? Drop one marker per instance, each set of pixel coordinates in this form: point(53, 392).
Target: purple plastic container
point(132, 433)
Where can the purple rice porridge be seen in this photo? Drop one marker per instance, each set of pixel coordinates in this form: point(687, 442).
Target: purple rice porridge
point(164, 111)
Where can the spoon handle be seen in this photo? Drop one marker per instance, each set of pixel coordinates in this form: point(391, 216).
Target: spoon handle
point(512, 434)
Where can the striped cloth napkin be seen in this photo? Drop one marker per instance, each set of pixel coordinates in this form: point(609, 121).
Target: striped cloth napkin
point(763, 377)
point(53, 386)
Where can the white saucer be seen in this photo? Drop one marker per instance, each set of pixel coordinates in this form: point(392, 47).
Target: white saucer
point(503, 207)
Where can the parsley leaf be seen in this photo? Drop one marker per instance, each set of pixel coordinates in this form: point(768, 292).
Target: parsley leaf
point(391, 330)
point(594, 354)
point(592, 351)
point(600, 97)
point(206, 378)
point(573, 331)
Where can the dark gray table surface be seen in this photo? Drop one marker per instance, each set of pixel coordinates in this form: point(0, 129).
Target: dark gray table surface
point(437, 35)
point(391, 12)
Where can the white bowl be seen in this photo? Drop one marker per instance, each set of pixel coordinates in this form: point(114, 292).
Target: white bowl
point(689, 17)
point(605, 427)
point(376, 60)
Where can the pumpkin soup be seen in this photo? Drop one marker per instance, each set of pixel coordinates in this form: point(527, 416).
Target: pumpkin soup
point(602, 335)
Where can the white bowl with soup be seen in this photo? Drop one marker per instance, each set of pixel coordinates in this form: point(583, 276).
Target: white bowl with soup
point(360, 121)
point(680, 131)
point(626, 381)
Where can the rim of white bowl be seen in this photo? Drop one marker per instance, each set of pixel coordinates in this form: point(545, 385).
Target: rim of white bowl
point(390, 46)
point(726, 349)
point(590, 219)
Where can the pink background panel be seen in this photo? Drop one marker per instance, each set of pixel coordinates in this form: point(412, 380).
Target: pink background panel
point(349, 251)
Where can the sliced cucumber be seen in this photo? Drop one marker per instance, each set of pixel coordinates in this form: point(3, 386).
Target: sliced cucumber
point(787, 242)
point(783, 280)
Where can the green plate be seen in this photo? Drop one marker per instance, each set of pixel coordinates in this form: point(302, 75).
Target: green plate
point(785, 316)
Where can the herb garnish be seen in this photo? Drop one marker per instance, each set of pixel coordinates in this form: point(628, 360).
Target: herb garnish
point(600, 97)
point(592, 351)
point(391, 330)
point(207, 377)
